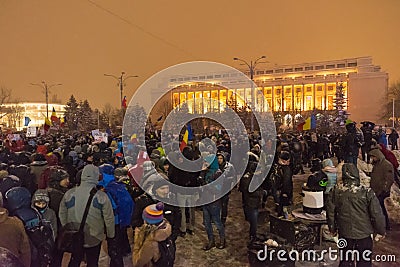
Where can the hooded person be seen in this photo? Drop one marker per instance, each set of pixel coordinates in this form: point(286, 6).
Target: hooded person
point(382, 178)
point(122, 205)
point(100, 219)
point(354, 212)
point(40, 202)
point(150, 174)
point(13, 237)
point(153, 245)
point(212, 211)
point(40, 234)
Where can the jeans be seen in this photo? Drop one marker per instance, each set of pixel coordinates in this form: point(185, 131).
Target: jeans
point(359, 245)
point(224, 208)
point(212, 212)
point(115, 249)
point(184, 200)
point(251, 215)
point(92, 257)
point(381, 199)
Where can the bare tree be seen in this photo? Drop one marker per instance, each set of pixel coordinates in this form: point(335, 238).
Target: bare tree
point(107, 113)
point(5, 95)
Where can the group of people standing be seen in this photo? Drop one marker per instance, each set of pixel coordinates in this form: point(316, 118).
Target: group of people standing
point(51, 181)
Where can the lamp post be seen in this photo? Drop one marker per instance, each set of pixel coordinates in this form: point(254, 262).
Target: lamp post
point(121, 82)
point(252, 67)
point(46, 89)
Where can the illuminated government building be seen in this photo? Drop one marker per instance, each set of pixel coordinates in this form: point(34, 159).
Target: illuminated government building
point(15, 113)
point(289, 89)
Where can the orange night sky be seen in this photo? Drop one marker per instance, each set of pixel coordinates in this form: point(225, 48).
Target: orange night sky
point(75, 42)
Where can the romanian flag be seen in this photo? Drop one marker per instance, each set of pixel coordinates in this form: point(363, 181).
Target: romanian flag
point(184, 140)
point(47, 124)
point(310, 123)
point(53, 117)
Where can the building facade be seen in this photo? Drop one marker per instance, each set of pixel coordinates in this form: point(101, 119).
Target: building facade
point(14, 114)
point(289, 89)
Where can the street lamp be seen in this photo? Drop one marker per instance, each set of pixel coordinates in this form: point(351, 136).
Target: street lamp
point(252, 68)
point(121, 82)
point(46, 89)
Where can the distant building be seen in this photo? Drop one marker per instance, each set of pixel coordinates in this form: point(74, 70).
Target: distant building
point(290, 89)
point(14, 114)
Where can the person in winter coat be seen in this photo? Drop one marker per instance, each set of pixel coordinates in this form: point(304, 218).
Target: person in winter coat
point(251, 201)
point(38, 165)
point(122, 204)
point(354, 212)
point(179, 176)
point(229, 176)
point(212, 211)
point(160, 192)
point(393, 137)
point(40, 202)
point(58, 186)
point(100, 220)
point(152, 243)
point(13, 236)
point(350, 144)
point(382, 178)
point(285, 184)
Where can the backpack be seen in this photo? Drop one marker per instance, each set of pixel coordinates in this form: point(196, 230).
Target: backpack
point(122, 203)
point(40, 235)
point(167, 250)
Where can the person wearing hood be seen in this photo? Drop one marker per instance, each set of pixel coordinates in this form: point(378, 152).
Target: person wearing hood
point(122, 205)
point(382, 177)
point(100, 220)
point(13, 236)
point(212, 211)
point(354, 212)
point(40, 202)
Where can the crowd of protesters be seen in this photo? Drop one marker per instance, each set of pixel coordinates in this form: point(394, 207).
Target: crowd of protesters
point(46, 181)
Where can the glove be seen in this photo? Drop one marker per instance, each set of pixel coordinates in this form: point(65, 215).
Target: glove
point(379, 237)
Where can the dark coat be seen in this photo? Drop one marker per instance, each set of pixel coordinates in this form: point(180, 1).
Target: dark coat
point(354, 210)
point(382, 175)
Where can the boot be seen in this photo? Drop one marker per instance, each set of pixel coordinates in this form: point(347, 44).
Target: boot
point(222, 243)
point(209, 245)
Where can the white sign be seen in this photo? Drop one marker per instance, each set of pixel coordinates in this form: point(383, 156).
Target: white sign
point(13, 137)
point(99, 136)
point(31, 131)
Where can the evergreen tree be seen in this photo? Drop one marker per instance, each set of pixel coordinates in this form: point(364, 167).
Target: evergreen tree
point(340, 103)
point(87, 117)
point(71, 114)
